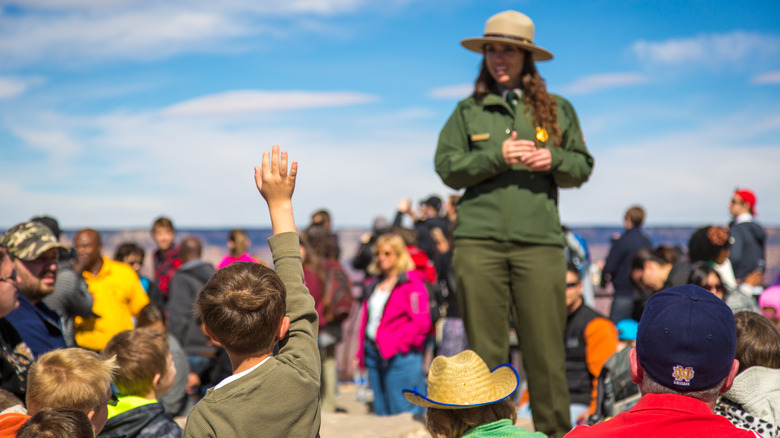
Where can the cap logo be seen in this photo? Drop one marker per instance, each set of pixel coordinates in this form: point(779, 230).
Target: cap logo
point(682, 376)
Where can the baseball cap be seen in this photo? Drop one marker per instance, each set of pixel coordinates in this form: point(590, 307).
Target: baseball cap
point(749, 198)
point(770, 297)
point(433, 201)
point(28, 240)
point(627, 329)
point(686, 339)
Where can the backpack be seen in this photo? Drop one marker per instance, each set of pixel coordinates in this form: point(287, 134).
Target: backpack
point(337, 296)
point(616, 392)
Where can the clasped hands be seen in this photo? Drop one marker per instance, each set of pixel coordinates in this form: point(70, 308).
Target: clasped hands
point(525, 152)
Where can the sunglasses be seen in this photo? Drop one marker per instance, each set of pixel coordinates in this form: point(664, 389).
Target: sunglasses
point(715, 288)
point(572, 284)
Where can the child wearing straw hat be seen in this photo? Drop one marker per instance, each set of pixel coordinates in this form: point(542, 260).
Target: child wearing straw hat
point(466, 399)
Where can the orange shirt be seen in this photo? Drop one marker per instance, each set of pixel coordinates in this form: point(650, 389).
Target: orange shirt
point(10, 423)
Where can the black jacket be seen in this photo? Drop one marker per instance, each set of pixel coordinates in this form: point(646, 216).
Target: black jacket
point(747, 250)
point(617, 267)
point(183, 325)
point(147, 421)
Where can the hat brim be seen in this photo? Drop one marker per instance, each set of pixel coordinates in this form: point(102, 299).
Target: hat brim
point(504, 378)
point(39, 251)
point(477, 45)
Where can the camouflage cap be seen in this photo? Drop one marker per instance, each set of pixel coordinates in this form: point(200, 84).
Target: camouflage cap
point(28, 240)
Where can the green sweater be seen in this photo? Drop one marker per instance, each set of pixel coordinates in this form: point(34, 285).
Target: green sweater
point(501, 428)
point(508, 203)
point(280, 398)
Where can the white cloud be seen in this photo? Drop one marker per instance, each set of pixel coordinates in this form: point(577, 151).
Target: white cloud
point(768, 78)
point(10, 87)
point(605, 81)
point(682, 177)
point(255, 101)
point(460, 91)
point(709, 49)
point(78, 31)
point(133, 167)
point(13, 87)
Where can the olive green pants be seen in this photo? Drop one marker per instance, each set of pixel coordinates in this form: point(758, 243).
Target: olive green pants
point(489, 276)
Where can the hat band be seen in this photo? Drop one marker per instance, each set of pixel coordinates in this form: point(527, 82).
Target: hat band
point(510, 37)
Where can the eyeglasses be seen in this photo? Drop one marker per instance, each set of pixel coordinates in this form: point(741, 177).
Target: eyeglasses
point(385, 253)
point(11, 279)
point(714, 288)
point(572, 284)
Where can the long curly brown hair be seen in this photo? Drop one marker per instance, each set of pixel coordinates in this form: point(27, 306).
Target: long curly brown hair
point(536, 98)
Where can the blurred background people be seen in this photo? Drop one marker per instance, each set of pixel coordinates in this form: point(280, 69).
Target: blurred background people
point(238, 244)
point(753, 400)
point(395, 320)
point(617, 267)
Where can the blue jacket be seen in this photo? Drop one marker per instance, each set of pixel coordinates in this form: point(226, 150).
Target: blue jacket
point(38, 326)
point(617, 268)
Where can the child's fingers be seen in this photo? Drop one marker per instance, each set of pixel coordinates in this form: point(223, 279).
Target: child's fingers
point(266, 170)
point(283, 164)
point(293, 170)
point(258, 177)
point(275, 158)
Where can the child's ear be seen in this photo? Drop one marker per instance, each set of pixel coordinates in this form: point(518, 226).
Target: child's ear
point(210, 335)
point(283, 328)
point(156, 380)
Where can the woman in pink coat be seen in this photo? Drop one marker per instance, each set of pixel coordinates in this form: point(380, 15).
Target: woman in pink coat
point(394, 322)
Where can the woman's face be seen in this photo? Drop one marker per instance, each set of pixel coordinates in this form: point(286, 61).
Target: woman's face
point(9, 301)
point(714, 285)
point(387, 259)
point(505, 64)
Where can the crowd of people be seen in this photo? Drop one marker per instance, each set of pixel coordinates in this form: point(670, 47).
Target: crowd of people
point(691, 345)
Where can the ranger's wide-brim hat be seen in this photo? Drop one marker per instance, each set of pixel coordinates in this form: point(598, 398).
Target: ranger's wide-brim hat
point(464, 381)
point(511, 28)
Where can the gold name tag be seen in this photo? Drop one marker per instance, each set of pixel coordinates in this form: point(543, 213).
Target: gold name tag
point(480, 137)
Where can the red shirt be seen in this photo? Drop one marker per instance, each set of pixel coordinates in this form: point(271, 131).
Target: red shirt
point(661, 415)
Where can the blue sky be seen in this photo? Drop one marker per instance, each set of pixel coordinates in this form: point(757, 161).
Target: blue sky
point(114, 112)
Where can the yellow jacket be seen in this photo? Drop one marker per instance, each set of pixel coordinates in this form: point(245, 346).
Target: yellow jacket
point(118, 297)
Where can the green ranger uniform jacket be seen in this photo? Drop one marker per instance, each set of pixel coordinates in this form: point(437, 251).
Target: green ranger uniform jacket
point(508, 203)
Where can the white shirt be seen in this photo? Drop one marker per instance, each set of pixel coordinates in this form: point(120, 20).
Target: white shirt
point(235, 377)
point(376, 307)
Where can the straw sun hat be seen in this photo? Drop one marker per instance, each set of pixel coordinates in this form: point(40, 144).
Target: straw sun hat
point(464, 381)
point(511, 28)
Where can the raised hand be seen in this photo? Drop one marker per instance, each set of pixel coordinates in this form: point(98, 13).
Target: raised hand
point(276, 184)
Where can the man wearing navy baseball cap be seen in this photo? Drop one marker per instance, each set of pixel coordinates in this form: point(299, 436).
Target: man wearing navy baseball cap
point(684, 359)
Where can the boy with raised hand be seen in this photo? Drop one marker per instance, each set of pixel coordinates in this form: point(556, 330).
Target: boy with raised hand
point(243, 308)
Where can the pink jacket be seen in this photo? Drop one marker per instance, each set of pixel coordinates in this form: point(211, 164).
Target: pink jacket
point(405, 321)
point(229, 260)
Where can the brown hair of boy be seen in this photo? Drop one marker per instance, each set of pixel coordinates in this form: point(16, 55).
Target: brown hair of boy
point(758, 341)
point(71, 377)
point(141, 354)
point(150, 314)
point(58, 422)
point(453, 423)
point(242, 306)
